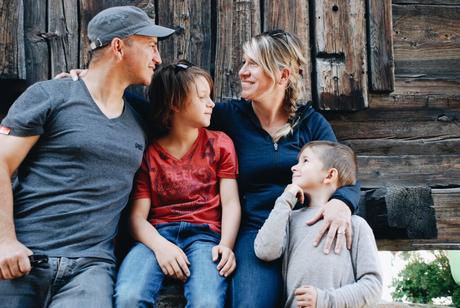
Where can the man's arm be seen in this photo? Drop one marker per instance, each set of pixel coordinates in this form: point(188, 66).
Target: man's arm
point(14, 261)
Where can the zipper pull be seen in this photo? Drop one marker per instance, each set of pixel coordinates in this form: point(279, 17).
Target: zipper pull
point(275, 145)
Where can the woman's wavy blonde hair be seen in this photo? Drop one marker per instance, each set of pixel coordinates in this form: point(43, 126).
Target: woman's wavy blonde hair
point(273, 51)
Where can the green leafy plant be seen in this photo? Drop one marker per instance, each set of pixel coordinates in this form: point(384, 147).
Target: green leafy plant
point(420, 281)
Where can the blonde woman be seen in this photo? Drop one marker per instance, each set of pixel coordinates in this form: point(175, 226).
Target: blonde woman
point(269, 126)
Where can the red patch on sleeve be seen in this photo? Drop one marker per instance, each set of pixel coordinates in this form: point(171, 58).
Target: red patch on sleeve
point(5, 130)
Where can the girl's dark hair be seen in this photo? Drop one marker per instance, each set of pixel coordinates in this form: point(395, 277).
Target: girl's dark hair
point(168, 91)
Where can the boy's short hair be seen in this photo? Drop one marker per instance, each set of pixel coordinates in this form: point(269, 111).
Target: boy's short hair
point(338, 156)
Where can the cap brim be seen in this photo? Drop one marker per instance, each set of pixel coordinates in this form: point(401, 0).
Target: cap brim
point(155, 30)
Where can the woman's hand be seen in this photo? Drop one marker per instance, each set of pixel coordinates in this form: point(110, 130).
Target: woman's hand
point(305, 297)
point(337, 219)
point(172, 260)
point(227, 262)
point(74, 74)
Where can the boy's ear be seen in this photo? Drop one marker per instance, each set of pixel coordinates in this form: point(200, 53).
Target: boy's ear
point(332, 176)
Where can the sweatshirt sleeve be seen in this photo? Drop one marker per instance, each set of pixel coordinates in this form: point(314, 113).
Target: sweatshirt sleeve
point(368, 286)
point(272, 238)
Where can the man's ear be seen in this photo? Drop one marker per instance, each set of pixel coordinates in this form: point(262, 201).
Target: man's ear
point(116, 46)
point(332, 176)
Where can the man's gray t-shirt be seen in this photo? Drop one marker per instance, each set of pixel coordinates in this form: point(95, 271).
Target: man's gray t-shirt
point(72, 186)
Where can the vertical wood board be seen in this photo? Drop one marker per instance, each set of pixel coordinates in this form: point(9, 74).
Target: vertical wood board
point(341, 64)
point(292, 16)
point(380, 42)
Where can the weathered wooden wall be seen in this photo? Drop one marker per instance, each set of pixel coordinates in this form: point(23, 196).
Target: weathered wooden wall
point(396, 64)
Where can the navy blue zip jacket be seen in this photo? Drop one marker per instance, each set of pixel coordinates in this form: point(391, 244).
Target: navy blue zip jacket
point(265, 166)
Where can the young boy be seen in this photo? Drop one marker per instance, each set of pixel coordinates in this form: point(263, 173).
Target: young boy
point(313, 279)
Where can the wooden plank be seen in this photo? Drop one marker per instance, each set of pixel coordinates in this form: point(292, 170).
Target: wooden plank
point(12, 57)
point(409, 170)
point(398, 212)
point(397, 124)
point(380, 42)
point(427, 41)
point(62, 35)
point(36, 47)
point(384, 146)
point(193, 39)
point(340, 51)
point(292, 16)
point(237, 22)
point(410, 245)
point(88, 9)
point(427, 2)
point(419, 94)
point(447, 211)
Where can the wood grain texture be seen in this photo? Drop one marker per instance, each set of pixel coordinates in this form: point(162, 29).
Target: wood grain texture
point(193, 40)
point(12, 57)
point(292, 16)
point(62, 35)
point(427, 41)
point(380, 44)
point(340, 52)
point(237, 22)
point(36, 46)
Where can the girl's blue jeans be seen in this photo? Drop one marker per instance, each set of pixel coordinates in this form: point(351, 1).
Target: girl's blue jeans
point(140, 277)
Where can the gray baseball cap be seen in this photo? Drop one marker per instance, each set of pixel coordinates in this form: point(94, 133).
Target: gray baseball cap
point(122, 21)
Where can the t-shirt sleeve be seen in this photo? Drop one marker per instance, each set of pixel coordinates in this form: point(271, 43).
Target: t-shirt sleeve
point(142, 186)
point(29, 113)
point(228, 162)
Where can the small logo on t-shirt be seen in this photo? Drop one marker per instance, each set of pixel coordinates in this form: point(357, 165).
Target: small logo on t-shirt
point(139, 146)
point(5, 130)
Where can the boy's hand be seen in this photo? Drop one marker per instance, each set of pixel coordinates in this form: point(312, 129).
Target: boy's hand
point(74, 74)
point(305, 297)
point(296, 191)
point(172, 260)
point(227, 262)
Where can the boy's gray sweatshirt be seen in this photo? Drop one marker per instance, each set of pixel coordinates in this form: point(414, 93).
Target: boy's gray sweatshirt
point(350, 279)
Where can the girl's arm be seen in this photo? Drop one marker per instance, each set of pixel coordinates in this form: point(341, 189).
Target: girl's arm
point(272, 238)
point(172, 259)
point(231, 216)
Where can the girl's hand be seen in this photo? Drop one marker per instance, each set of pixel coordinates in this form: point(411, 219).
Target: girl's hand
point(227, 262)
point(172, 260)
point(337, 219)
point(305, 297)
point(74, 74)
point(296, 191)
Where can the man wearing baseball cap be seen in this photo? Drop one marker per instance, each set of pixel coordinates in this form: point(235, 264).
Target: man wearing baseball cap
point(75, 146)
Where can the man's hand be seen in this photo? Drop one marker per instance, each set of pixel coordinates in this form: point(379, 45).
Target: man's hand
point(172, 260)
point(14, 259)
point(227, 262)
point(74, 74)
point(337, 219)
point(296, 191)
point(305, 297)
